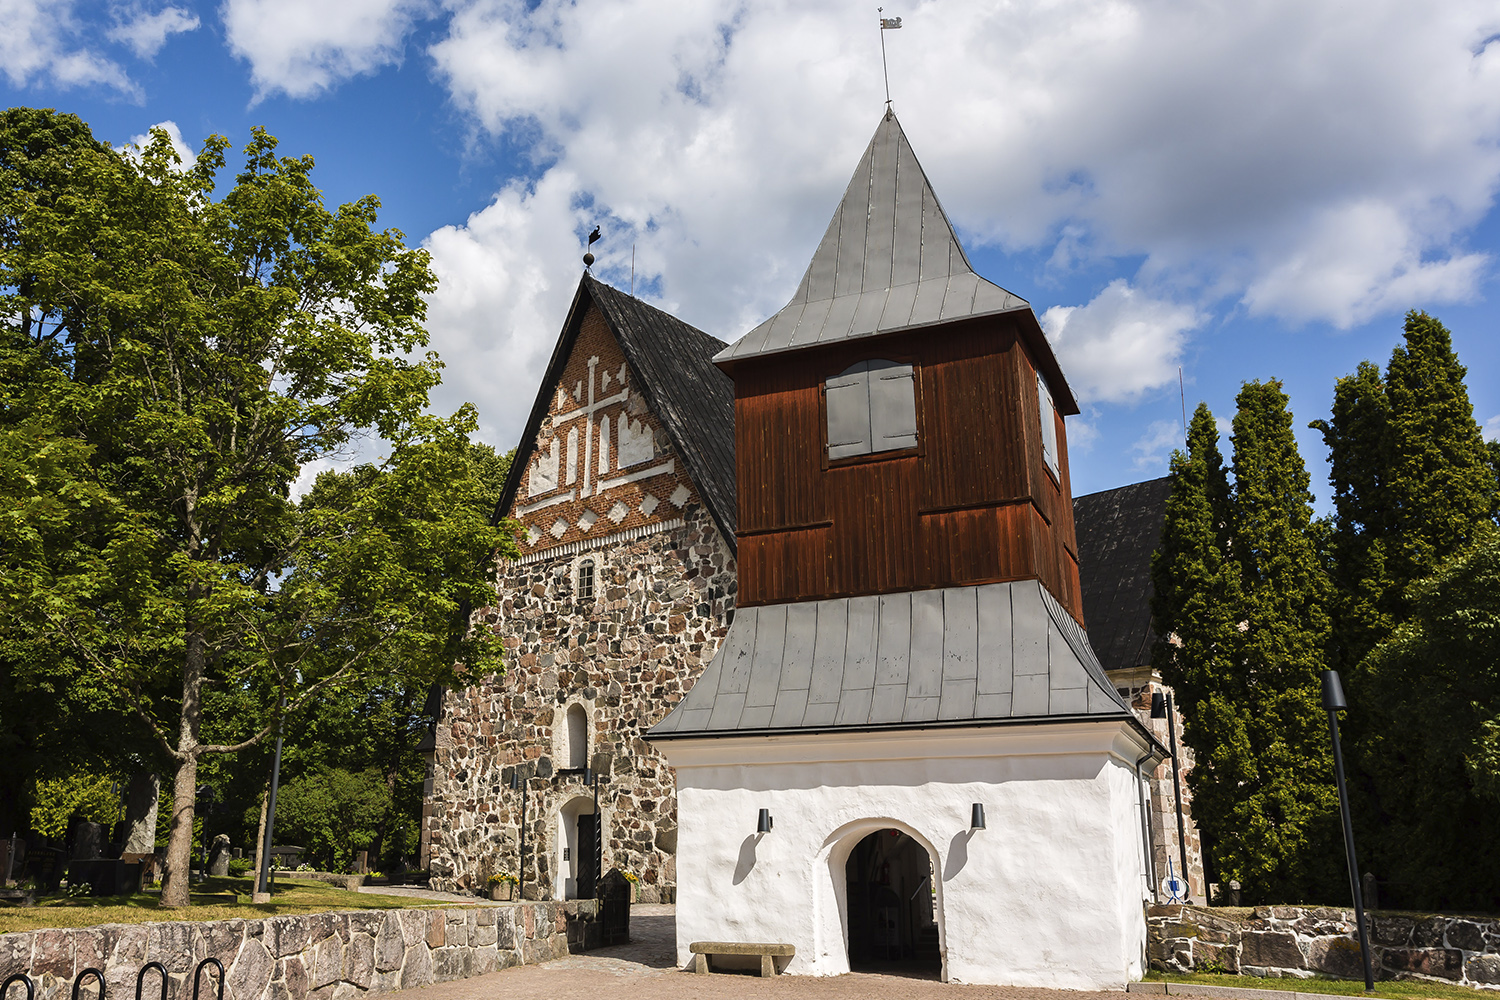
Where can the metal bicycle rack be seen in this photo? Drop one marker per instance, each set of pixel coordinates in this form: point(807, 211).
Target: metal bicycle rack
point(19, 977)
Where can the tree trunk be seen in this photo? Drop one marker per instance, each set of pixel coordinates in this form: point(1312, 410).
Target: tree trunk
point(260, 834)
point(174, 889)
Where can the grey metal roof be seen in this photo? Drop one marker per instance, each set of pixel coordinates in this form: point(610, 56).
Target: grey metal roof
point(953, 656)
point(889, 261)
point(1118, 530)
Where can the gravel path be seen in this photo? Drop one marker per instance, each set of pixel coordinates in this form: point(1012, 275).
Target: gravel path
point(427, 894)
point(646, 969)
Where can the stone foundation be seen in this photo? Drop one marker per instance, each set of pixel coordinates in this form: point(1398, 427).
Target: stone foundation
point(321, 956)
point(1302, 942)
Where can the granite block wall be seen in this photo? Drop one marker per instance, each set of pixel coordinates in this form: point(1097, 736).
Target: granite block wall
point(1302, 942)
point(319, 956)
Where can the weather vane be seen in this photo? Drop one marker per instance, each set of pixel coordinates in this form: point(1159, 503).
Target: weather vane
point(886, 24)
point(588, 257)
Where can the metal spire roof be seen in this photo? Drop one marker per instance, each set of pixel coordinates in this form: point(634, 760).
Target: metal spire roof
point(889, 261)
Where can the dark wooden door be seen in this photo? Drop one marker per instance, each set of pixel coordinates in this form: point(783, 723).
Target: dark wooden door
point(588, 854)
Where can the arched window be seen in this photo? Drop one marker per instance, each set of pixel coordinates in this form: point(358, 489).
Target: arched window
point(586, 580)
point(872, 407)
point(578, 737)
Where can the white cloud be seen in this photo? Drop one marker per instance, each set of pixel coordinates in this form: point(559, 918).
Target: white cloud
point(1121, 344)
point(184, 151)
point(42, 42)
point(1310, 160)
point(1492, 428)
point(146, 32)
point(1155, 447)
point(303, 49)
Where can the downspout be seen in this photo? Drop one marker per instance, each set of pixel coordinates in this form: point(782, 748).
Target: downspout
point(1140, 794)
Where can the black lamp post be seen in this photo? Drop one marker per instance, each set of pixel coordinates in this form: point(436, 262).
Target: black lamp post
point(1335, 702)
point(1161, 708)
point(518, 781)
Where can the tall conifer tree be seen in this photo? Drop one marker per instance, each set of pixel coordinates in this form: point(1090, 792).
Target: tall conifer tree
point(1440, 480)
point(1359, 445)
point(1195, 599)
point(1287, 835)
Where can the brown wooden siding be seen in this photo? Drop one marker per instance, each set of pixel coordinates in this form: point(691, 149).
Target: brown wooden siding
point(973, 504)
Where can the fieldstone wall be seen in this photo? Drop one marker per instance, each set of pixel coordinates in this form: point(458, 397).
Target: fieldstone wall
point(319, 956)
point(1301, 942)
point(661, 607)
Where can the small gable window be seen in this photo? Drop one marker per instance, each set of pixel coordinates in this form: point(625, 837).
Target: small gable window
point(872, 407)
point(1049, 425)
point(586, 580)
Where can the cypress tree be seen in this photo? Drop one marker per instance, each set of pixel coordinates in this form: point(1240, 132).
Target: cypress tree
point(1440, 481)
point(1195, 598)
point(1285, 840)
point(1358, 440)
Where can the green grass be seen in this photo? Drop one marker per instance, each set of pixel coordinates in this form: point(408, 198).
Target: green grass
point(1389, 989)
point(212, 903)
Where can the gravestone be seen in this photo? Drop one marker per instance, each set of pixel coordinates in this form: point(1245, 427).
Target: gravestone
point(142, 797)
point(88, 841)
point(218, 857)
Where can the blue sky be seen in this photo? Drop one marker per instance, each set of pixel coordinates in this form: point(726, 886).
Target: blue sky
point(1246, 191)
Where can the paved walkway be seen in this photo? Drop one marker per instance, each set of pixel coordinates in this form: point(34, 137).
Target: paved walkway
point(646, 969)
point(416, 892)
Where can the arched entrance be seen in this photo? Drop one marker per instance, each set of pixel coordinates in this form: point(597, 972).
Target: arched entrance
point(892, 917)
point(578, 838)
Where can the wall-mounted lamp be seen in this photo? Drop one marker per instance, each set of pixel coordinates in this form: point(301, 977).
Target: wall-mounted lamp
point(763, 822)
point(976, 818)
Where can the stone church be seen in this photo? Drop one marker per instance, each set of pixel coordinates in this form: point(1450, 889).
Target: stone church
point(627, 585)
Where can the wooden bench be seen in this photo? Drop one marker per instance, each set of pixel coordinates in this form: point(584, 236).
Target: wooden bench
point(768, 953)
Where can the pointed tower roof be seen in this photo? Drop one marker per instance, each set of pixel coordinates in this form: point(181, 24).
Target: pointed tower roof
point(889, 261)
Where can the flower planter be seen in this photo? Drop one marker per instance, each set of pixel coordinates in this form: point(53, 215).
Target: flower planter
point(503, 892)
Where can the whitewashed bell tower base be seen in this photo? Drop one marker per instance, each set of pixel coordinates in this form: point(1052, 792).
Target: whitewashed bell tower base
point(1051, 893)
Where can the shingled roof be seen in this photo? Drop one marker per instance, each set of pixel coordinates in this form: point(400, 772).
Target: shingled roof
point(673, 363)
point(1117, 532)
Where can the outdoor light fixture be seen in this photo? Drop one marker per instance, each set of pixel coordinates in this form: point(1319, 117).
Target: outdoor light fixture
point(1161, 708)
point(763, 822)
point(976, 819)
point(1335, 702)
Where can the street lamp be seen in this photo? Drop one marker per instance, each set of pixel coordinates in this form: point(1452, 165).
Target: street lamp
point(1161, 708)
point(517, 781)
point(1335, 702)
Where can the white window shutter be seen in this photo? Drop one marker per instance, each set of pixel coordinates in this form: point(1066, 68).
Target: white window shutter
point(1049, 425)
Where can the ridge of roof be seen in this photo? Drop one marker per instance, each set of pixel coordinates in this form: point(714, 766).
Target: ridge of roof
point(1118, 530)
point(692, 398)
point(888, 261)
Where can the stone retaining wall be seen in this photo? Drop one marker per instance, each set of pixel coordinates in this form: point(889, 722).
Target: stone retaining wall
point(1303, 942)
point(317, 956)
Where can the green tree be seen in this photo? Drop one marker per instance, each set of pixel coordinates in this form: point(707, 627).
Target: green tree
point(331, 810)
point(1196, 595)
point(1285, 842)
point(1432, 742)
point(188, 357)
point(1412, 481)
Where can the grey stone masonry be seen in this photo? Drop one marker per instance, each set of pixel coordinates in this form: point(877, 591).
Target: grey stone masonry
point(661, 604)
point(316, 956)
point(1302, 942)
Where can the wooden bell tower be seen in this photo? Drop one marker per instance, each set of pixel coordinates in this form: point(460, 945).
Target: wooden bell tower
point(899, 424)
